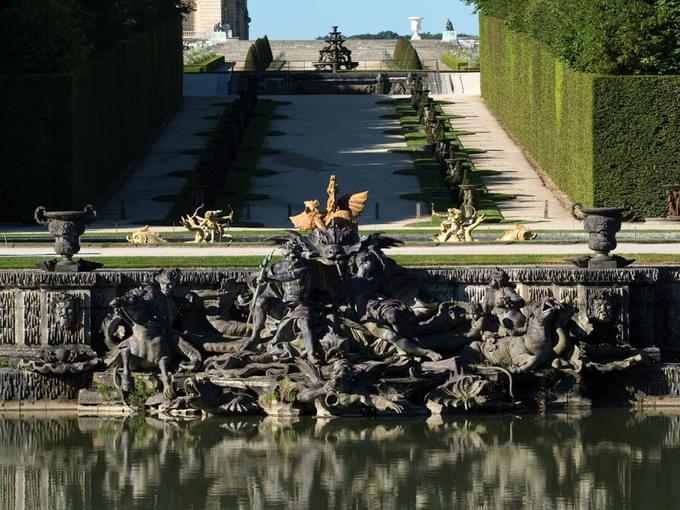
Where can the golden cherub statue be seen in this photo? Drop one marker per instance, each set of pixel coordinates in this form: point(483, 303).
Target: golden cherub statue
point(341, 211)
point(210, 227)
point(145, 235)
point(457, 226)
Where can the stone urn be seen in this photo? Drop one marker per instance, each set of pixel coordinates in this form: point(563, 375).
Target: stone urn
point(602, 223)
point(416, 25)
point(66, 227)
point(468, 205)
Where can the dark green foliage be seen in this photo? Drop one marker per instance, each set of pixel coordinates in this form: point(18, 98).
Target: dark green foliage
point(604, 140)
point(259, 55)
point(42, 36)
point(385, 34)
point(405, 55)
point(636, 121)
point(35, 146)
point(267, 49)
point(66, 137)
point(389, 34)
point(599, 36)
point(252, 63)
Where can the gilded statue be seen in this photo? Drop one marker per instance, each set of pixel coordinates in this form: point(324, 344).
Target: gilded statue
point(342, 211)
point(458, 224)
point(209, 228)
point(145, 235)
point(518, 233)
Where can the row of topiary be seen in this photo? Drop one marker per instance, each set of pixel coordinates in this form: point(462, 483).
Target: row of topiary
point(604, 140)
point(405, 56)
point(259, 55)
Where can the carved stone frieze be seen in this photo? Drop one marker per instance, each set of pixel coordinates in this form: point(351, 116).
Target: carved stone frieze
point(7, 317)
point(31, 308)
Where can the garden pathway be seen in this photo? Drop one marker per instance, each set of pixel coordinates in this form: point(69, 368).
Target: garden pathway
point(157, 171)
point(343, 135)
point(515, 175)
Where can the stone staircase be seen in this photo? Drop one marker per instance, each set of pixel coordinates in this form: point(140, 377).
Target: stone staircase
point(369, 50)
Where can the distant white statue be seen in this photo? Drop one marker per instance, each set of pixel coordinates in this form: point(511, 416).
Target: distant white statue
point(416, 25)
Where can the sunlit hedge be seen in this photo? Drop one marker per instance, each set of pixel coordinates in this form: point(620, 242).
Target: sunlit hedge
point(604, 140)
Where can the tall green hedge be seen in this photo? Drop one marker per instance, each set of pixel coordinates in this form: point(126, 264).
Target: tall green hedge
point(636, 125)
point(69, 136)
point(604, 140)
point(405, 55)
point(35, 145)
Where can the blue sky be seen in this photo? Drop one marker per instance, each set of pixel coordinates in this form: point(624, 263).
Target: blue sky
point(307, 19)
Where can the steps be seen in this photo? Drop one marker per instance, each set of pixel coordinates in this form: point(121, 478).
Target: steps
point(362, 50)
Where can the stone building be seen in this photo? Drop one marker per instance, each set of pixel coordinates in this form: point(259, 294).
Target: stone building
point(232, 15)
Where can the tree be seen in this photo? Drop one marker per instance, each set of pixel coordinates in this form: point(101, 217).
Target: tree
point(600, 36)
point(42, 36)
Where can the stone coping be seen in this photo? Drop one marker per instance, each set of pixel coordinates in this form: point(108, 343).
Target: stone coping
point(19, 278)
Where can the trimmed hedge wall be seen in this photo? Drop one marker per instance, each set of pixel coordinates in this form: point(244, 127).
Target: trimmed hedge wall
point(70, 136)
point(636, 124)
point(604, 140)
point(35, 145)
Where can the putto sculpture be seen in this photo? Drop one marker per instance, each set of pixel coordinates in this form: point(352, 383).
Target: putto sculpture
point(149, 313)
point(518, 233)
point(145, 236)
point(458, 224)
point(340, 211)
point(66, 227)
point(211, 227)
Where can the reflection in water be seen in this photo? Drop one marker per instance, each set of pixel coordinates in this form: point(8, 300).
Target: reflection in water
point(610, 459)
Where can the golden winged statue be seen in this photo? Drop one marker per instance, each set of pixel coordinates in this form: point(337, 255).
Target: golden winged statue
point(341, 211)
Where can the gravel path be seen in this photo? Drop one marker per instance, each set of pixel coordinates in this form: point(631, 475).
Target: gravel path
point(340, 135)
point(515, 175)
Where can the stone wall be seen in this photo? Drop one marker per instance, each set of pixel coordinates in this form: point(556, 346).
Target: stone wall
point(40, 309)
point(207, 13)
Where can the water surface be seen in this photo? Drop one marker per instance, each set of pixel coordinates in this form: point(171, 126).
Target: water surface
point(609, 459)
